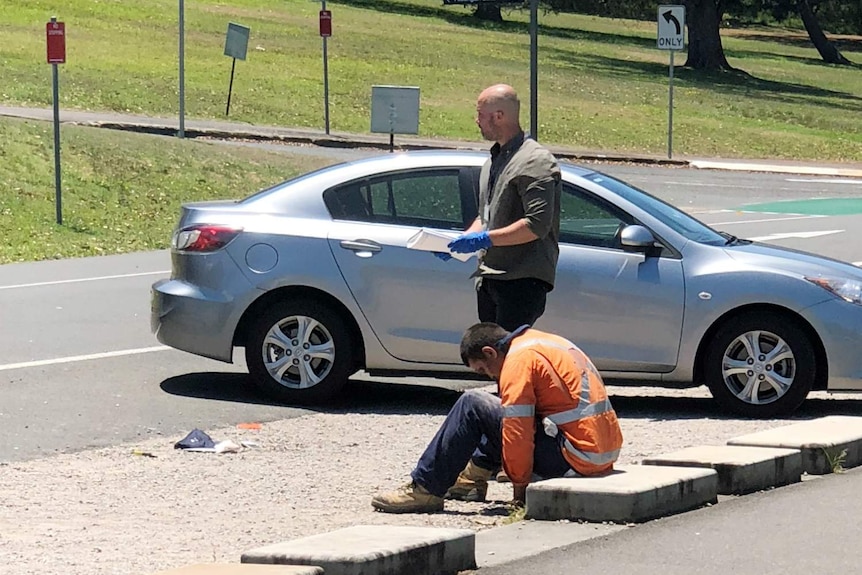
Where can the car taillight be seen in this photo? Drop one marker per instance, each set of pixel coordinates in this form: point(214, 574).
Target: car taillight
point(204, 238)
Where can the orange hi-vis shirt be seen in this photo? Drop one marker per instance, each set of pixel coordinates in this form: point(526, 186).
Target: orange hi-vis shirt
point(547, 377)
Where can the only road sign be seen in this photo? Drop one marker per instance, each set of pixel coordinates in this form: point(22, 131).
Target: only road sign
point(671, 27)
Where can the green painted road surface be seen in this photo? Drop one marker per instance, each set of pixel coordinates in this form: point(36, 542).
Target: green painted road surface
point(817, 207)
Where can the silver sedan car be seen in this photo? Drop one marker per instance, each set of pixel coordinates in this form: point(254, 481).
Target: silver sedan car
point(313, 277)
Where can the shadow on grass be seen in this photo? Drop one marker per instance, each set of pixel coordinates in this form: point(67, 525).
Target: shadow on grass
point(468, 20)
point(844, 44)
point(734, 83)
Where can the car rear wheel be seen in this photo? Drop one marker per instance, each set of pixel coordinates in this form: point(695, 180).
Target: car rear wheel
point(760, 364)
point(299, 352)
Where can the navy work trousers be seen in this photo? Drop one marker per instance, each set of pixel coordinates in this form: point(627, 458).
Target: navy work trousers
point(473, 429)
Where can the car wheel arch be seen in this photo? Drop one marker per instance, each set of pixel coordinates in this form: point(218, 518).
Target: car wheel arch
point(822, 376)
point(266, 300)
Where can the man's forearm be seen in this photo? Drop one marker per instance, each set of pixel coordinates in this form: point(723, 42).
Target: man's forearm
point(476, 226)
point(513, 234)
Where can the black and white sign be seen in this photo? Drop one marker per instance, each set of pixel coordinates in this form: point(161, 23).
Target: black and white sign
point(671, 27)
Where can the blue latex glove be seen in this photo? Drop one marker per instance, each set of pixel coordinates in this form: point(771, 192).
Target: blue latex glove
point(469, 243)
point(442, 256)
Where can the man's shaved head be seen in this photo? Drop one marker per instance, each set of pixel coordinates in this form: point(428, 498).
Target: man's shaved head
point(497, 113)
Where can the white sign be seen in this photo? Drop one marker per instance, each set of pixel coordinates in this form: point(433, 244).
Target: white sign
point(671, 27)
point(395, 109)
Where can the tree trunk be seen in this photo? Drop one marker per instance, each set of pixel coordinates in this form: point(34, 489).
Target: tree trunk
point(827, 49)
point(705, 51)
point(488, 11)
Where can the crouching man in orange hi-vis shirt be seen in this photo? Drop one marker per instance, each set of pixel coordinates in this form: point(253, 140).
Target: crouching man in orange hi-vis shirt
point(552, 418)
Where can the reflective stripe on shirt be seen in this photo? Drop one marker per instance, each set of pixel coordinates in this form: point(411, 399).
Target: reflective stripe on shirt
point(522, 410)
point(581, 411)
point(590, 457)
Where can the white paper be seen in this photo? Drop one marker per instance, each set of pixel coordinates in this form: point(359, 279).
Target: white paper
point(436, 241)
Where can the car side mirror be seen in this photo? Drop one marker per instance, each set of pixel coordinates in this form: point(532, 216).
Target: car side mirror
point(637, 238)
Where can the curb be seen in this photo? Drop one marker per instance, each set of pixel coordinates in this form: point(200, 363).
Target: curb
point(346, 140)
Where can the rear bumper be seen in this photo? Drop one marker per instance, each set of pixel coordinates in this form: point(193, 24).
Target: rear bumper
point(189, 318)
point(839, 325)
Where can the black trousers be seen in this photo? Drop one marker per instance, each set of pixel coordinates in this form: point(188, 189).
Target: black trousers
point(512, 303)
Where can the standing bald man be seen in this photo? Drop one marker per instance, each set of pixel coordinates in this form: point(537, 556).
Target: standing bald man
point(518, 227)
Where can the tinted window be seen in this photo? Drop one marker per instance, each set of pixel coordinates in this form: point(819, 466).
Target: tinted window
point(586, 220)
point(429, 198)
point(679, 221)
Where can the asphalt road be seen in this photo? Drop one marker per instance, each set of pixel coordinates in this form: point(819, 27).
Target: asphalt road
point(79, 367)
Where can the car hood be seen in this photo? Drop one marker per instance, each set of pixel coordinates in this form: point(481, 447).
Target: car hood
point(792, 261)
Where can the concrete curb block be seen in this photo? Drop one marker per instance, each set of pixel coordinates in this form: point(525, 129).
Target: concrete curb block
point(740, 469)
point(241, 569)
point(376, 550)
point(630, 494)
point(821, 441)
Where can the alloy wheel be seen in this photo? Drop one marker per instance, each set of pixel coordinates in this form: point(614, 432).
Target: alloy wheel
point(298, 352)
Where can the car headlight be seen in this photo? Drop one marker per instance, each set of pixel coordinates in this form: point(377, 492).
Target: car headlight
point(848, 290)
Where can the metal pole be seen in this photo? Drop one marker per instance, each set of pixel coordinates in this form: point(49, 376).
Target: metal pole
point(325, 78)
point(58, 193)
point(670, 110)
point(182, 55)
point(534, 69)
point(230, 87)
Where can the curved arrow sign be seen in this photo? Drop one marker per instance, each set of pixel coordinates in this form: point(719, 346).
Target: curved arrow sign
point(671, 27)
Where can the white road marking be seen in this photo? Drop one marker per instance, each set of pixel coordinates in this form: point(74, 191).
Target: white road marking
point(708, 185)
point(784, 236)
point(76, 358)
point(763, 220)
point(838, 181)
point(58, 282)
point(857, 264)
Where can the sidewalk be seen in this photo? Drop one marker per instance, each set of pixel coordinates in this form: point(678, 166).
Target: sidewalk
point(227, 130)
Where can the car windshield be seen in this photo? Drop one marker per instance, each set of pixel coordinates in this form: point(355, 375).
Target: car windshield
point(679, 221)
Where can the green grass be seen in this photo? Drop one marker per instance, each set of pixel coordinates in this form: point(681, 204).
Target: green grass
point(121, 191)
point(602, 82)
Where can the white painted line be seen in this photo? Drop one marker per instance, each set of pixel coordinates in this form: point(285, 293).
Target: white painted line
point(708, 185)
point(763, 220)
point(751, 167)
point(58, 282)
point(839, 181)
point(857, 264)
point(804, 235)
point(76, 358)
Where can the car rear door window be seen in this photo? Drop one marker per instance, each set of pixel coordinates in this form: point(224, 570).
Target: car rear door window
point(430, 198)
point(587, 220)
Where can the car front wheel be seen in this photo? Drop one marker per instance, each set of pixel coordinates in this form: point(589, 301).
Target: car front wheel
point(760, 365)
point(299, 352)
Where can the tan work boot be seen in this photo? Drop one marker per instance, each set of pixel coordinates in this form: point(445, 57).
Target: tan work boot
point(472, 484)
point(411, 498)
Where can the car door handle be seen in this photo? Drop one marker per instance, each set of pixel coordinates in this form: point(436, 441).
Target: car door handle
point(361, 245)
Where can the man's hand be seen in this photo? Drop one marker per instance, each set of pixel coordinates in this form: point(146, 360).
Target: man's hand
point(442, 256)
point(519, 495)
point(471, 242)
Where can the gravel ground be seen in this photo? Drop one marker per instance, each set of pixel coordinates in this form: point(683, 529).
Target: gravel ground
point(110, 511)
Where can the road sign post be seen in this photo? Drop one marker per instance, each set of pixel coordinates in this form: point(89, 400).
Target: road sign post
point(182, 79)
point(235, 46)
point(671, 37)
point(325, 25)
point(55, 36)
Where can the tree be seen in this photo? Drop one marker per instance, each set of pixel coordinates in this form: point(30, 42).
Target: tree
point(705, 51)
point(827, 49)
point(488, 11)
